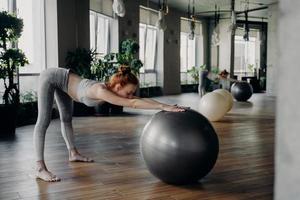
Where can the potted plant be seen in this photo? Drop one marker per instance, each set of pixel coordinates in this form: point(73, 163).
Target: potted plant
point(128, 55)
point(80, 61)
point(147, 89)
point(28, 110)
point(215, 82)
point(11, 58)
point(194, 74)
point(103, 69)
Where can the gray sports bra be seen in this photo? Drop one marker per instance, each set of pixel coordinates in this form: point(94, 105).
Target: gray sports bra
point(82, 88)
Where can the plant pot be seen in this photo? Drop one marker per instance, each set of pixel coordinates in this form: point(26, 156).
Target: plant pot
point(116, 110)
point(27, 113)
point(107, 109)
point(80, 110)
point(152, 91)
point(8, 118)
point(102, 109)
point(189, 88)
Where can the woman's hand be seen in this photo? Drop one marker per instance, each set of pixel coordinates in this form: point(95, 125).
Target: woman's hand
point(174, 108)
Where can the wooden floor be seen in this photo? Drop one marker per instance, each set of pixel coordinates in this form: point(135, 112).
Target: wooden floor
point(244, 169)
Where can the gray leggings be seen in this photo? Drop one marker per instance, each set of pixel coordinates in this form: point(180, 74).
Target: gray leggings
point(53, 82)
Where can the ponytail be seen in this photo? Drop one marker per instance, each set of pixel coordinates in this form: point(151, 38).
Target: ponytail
point(122, 77)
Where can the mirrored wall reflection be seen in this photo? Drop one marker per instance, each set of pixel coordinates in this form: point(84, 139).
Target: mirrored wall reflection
point(250, 54)
point(148, 41)
point(247, 53)
point(191, 52)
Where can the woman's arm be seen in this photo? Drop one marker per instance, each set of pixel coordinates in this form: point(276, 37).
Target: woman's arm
point(102, 93)
point(154, 101)
point(232, 80)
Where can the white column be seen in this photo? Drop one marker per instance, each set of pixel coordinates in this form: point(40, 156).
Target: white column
point(287, 148)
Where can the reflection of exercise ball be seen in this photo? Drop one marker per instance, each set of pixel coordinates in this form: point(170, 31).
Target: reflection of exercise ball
point(179, 147)
point(227, 96)
point(241, 91)
point(213, 106)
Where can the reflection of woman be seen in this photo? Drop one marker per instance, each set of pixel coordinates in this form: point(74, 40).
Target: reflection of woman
point(66, 86)
point(203, 82)
point(205, 77)
point(225, 80)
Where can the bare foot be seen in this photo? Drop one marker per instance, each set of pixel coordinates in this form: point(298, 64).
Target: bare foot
point(75, 156)
point(45, 175)
point(42, 172)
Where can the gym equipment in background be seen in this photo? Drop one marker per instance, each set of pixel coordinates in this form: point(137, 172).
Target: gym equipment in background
point(241, 91)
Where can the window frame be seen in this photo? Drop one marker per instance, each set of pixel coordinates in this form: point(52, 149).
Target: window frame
point(146, 72)
point(153, 28)
point(243, 70)
point(107, 19)
point(38, 50)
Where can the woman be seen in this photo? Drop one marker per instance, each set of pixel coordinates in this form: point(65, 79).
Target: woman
point(225, 81)
point(205, 77)
point(203, 82)
point(66, 86)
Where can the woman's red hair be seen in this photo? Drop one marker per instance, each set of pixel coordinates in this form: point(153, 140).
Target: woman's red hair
point(123, 76)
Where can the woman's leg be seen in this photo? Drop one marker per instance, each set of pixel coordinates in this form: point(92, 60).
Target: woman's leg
point(45, 102)
point(65, 107)
point(201, 90)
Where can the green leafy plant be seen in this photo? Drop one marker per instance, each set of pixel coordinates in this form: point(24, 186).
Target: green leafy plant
point(127, 56)
point(104, 68)
point(28, 109)
point(194, 72)
point(80, 61)
point(29, 96)
point(215, 70)
point(251, 67)
point(10, 58)
point(203, 67)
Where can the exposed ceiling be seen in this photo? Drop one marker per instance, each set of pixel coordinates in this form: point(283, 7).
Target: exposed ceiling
point(209, 5)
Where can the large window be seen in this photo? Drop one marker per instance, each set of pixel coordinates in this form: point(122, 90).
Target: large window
point(32, 40)
point(247, 54)
point(187, 52)
point(148, 40)
point(148, 36)
point(99, 33)
point(3, 5)
point(191, 50)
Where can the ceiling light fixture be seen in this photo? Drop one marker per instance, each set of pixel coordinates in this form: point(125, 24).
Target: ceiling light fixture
point(192, 20)
point(163, 10)
point(215, 39)
point(246, 25)
point(119, 8)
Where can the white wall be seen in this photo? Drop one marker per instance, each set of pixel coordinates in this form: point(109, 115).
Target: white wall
point(51, 33)
point(272, 51)
point(225, 44)
point(172, 53)
point(287, 146)
point(73, 27)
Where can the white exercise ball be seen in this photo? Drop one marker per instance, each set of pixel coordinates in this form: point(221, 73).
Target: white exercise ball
point(213, 106)
point(228, 97)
